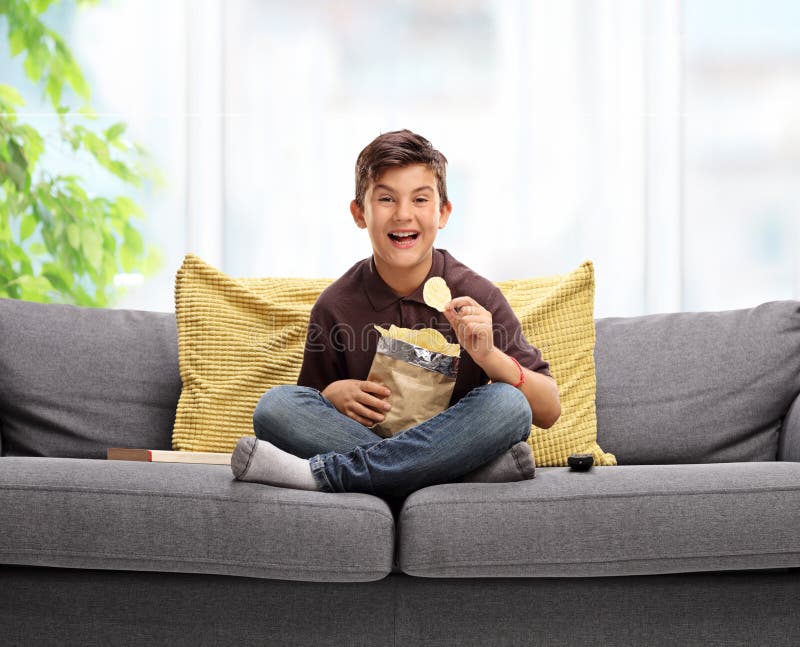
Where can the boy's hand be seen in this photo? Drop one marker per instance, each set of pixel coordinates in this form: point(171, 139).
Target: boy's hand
point(472, 324)
point(360, 400)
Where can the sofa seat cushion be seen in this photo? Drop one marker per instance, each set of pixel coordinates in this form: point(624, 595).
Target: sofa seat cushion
point(83, 513)
point(629, 520)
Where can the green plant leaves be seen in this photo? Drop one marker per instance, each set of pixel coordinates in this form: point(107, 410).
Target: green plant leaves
point(11, 96)
point(74, 236)
point(115, 131)
point(40, 6)
point(32, 142)
point(92, 245)
point(15, 164)
point(16, 41)
point(28, 226)
point(58, 240)
point(68, 69)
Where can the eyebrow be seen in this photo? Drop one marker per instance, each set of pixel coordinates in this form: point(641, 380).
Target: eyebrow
point(425, 187)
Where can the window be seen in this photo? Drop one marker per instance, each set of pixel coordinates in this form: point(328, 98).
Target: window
point(742, 152)
point(659, 139)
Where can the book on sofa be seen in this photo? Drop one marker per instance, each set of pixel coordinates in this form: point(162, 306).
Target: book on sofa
point(166, 456)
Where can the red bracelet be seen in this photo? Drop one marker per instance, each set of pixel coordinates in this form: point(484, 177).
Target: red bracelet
point(521, 373)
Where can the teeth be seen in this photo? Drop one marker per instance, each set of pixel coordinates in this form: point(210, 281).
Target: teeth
point(404, 234)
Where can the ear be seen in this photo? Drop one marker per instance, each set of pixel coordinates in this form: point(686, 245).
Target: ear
point(358, 215)
point(444, 214)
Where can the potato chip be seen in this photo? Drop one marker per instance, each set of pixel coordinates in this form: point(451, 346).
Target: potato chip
point(427, 338)
point(431, 339)
point(435, 293)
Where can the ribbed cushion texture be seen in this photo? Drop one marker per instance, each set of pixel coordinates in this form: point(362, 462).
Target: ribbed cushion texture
point(556, 313)
point(240, 337)
point(80, 513)
point(75, 381)
point(631, 520)
point(237, 339)
point(697, 387)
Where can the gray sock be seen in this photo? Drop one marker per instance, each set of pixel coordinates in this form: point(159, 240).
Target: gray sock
point(259, 461)
point(517, 464)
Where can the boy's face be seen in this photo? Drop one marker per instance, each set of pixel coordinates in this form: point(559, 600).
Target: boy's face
point(402, 215)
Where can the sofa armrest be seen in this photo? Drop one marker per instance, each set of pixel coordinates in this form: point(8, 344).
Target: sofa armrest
point(789, 442)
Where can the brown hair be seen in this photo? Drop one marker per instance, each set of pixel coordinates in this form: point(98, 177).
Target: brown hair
point(398, 148)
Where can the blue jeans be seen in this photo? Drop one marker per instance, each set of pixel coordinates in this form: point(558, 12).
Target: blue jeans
point(345, 456)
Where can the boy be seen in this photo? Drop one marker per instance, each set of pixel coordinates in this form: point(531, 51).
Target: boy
point(316, 435)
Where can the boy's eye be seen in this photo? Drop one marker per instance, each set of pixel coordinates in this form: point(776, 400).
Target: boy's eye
point(385, 198)
point(421, 199)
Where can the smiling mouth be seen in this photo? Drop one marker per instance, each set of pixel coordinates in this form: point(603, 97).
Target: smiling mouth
point(405, 237)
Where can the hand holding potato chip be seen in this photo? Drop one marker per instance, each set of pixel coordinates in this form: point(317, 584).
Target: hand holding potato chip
point(472, 324)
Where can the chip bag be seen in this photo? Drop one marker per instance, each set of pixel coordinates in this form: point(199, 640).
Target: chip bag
point(419, 367)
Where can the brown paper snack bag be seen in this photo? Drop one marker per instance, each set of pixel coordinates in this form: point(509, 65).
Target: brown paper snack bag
point(421, 375)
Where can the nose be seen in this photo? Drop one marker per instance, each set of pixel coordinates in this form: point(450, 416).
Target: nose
point(403, 211)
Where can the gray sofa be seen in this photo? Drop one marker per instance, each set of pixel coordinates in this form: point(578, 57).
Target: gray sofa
point(693, 539)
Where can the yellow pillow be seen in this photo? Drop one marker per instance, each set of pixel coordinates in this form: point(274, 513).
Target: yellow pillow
point(236, 339)
point(239, 337)
point(557, 316)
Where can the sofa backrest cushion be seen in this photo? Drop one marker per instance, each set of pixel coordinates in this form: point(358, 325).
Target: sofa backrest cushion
point(75, 381)
point(697, 387)
point(789, 445)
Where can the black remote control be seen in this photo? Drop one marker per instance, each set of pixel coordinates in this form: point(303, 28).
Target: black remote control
point(580, 462)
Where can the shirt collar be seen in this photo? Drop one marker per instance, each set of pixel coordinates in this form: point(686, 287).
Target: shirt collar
point(381, 296)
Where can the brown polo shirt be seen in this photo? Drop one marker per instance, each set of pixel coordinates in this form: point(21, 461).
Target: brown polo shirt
point(341, 338)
